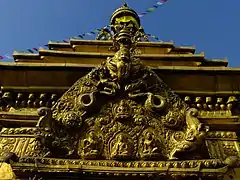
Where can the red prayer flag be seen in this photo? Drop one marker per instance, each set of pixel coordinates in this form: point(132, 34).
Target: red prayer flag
point(164, 1)
point(1, 57)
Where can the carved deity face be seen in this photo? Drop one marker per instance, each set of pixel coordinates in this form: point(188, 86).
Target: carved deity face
point(126, 22)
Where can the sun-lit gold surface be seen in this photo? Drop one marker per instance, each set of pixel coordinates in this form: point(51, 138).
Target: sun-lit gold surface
point(119, 107)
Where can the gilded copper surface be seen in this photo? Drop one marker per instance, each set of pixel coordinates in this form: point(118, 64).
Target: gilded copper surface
point(119, 120)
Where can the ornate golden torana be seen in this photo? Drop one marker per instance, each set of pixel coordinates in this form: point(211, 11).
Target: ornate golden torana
point(119, 120)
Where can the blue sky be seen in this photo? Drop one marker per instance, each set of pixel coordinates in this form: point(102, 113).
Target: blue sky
point(212, 26)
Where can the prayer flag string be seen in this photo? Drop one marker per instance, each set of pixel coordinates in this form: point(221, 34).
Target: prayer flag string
point(95, 31)
point(153, 8)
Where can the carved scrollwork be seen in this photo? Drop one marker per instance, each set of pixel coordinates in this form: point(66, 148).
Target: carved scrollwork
point(155, 102)
point(72, 119)
point(45, 120)
point(188, 140)
point(174, 119)
point(87, 100)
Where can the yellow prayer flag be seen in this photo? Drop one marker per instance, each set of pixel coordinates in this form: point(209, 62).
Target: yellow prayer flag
point(151, 9)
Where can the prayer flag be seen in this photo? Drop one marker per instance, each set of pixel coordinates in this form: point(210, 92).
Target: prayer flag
point(151, 9)
point(31, 51)
point(9, 57)
point(159, 3)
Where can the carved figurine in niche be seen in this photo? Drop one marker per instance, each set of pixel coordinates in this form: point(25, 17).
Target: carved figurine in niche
point(91, 146)
point(122, 147)
point(149, 148)
point(122, 110)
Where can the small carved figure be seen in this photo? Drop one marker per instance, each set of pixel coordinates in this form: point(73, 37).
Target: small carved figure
point(121, 149)
point(90, 146)
point(119, 66)
point(122, 110)
point(149, 145)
